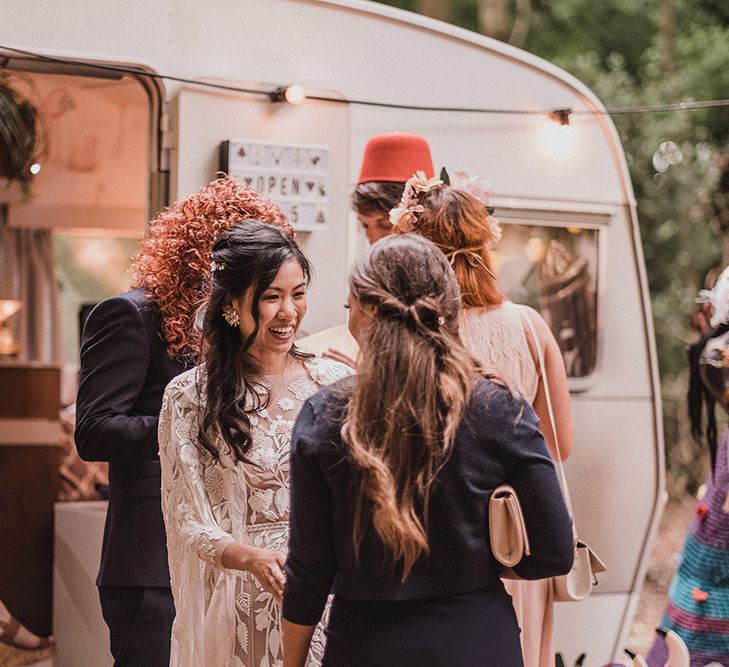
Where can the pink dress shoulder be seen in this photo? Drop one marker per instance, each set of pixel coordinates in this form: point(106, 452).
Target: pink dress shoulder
point(497, 337)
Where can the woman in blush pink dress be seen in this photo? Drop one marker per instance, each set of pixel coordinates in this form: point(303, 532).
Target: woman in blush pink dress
point(456, 218)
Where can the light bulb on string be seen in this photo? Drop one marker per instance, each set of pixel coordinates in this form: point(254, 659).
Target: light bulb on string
point(294, 94)
point(557, 138)
point(561, 116)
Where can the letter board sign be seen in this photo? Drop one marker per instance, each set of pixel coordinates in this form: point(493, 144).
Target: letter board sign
point(294, 176)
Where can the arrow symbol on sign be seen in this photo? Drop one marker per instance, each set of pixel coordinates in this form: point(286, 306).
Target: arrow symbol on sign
point(241, 152)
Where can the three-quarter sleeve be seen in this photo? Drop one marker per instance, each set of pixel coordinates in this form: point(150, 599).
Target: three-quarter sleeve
point(114, 361)
point(311, 564)
point(189, 521)
point(533, 476)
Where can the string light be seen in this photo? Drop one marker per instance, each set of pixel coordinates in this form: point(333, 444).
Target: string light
point(292, 94)
point(561, 113)
point(562, 116)
point(558, 139)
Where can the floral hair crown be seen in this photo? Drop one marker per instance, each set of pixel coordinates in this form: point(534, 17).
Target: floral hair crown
point(404, 215)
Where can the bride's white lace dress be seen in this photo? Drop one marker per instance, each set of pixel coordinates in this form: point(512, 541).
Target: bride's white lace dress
point(224, 617)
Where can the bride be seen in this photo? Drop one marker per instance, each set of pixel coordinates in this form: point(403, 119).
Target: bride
point(224, 435)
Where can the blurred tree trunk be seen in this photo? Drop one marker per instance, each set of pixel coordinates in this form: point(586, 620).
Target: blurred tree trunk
point(522, 15)
point(667, 23)
point(437, 9)
point(496, 19)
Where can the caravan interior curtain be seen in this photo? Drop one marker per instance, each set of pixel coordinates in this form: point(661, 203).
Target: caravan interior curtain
point(28, 274)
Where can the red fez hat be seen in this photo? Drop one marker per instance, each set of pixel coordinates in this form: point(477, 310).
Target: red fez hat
point(395, 157)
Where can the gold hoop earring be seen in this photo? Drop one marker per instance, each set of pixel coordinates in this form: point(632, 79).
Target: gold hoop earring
point(230, 315)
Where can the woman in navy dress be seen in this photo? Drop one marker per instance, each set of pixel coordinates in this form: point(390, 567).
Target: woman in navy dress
point(391, 473)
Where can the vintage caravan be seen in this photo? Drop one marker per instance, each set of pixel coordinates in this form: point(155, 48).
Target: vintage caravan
point(133, 122)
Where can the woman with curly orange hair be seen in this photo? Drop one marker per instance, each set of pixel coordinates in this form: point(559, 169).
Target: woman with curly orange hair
point(132, 346)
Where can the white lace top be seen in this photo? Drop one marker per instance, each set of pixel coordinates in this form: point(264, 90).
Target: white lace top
point(497, 338)
point(224, 617)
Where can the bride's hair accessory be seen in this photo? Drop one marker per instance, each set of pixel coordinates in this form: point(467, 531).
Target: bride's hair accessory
point(404, 215)
point(230, 315)
point(216, 266)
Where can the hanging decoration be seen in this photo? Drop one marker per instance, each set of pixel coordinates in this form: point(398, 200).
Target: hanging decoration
point(19, 136)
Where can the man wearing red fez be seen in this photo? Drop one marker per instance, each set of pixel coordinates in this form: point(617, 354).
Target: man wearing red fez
point(389, 161)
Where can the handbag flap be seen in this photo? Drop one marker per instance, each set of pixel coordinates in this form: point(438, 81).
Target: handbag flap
point(596, 563)
point(507, 528)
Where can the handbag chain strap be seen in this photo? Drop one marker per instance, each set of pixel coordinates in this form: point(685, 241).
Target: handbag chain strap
point(553, 424)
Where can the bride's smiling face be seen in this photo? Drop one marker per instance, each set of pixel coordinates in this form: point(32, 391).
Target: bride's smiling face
point(281, 308)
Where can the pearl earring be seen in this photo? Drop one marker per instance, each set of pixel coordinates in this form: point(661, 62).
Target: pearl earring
point(231, 316)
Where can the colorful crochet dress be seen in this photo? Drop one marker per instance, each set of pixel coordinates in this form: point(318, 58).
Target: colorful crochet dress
point(698, 598)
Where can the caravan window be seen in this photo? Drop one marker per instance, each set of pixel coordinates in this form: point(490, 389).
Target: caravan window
point(554, 270)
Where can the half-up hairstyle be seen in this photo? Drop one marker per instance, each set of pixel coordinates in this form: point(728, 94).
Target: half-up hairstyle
point(459, 224)
point(246, 257)
point(413, 384)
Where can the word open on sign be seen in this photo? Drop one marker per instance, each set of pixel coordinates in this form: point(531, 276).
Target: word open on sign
point(295, 176)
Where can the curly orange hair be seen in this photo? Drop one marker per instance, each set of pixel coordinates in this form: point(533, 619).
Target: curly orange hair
point(173, 262)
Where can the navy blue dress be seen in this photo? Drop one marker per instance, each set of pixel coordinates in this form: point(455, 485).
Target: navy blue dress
point(452, 610)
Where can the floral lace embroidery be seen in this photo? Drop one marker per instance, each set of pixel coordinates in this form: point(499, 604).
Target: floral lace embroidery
point(285, 403)
point(206, 549)
point(207, 504)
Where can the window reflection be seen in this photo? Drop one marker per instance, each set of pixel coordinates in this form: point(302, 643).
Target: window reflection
point(554, 269)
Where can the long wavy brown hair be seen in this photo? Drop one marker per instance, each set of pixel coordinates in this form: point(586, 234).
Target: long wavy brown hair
point(458, 223)
point(173, 262)
point(414, 381)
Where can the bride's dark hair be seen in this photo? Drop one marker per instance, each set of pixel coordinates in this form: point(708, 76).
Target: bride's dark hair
point(246, 257)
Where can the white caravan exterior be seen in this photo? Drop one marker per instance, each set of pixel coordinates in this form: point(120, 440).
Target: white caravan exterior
point(569, 184)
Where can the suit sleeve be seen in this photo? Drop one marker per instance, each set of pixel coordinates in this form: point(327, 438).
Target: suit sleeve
point(533, 476)
point(114, 362)
point(311, 563)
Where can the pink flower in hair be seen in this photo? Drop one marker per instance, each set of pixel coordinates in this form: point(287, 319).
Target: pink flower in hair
point(481, 189)
point(420, 183)
point(404, 215)
point(478, 186)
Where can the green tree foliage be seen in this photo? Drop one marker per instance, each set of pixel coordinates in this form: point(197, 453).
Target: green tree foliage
point(631, 53)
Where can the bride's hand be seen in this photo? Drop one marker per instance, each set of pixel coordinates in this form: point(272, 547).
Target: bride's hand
point(266, 566)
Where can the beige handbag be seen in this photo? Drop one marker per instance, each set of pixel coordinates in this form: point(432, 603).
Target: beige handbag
point(509, 538)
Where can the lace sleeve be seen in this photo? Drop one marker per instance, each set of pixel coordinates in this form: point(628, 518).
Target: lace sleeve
point(327, 371)
point(192, 531)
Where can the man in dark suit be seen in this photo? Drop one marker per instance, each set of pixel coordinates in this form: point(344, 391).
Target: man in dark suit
point(132, 346)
